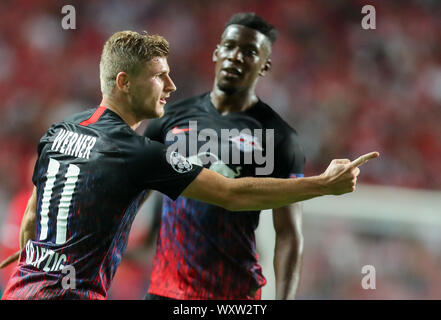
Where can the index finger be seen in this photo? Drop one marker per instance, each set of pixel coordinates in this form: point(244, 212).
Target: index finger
point(362, 159)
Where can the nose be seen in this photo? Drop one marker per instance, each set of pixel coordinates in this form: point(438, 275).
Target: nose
point(169, 85)
point(235, 55)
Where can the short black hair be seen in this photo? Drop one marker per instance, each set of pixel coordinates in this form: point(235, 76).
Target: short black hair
point(253, 21)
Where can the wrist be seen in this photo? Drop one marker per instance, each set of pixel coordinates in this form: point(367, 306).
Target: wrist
point(321, 183)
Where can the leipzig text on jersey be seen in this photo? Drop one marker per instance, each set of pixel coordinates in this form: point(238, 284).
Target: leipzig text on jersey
point(43, 258)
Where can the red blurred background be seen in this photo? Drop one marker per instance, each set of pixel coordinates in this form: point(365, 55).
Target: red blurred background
point(346, 90)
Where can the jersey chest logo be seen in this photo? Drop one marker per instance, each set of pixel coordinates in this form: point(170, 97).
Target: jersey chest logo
point(216, 164)
point(246, 143)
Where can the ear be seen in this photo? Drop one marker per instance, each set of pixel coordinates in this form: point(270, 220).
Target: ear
point(215, 53)
point(266, 68)
point(122, 82)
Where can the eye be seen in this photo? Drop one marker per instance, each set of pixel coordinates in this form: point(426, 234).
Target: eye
point(160, 75)
point(228, 45)
point(251, 52)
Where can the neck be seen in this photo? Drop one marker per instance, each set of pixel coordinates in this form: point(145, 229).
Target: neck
point(122, 110)
point(232, 102)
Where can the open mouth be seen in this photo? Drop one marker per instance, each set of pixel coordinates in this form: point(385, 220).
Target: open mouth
point(162, 101)
point(232, 72)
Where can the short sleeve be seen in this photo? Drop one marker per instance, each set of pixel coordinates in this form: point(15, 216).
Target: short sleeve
point(153, 130)
point(290, 157)
point(152, 166)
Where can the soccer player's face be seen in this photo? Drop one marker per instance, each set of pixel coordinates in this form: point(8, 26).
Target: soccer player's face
point(241, 57)
point(151, 87)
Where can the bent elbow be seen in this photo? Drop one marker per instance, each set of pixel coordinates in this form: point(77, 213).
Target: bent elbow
point(230, 198)
point(225, 196)
point(236, 196)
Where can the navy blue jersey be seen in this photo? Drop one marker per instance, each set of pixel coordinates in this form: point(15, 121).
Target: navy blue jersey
point(204, 251)
point(91, 176)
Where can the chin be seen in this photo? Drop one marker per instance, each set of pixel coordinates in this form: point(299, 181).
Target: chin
point(227, 88)
point(160, 112)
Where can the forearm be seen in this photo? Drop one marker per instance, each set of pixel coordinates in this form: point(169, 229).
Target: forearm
point(245, 194)
point(287, 265)
point(288, 250)
point(267, 193)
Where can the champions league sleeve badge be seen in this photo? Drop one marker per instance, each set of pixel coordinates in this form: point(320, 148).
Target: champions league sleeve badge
point(180, 163)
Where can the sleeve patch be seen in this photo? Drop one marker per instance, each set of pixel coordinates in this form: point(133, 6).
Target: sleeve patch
point(180, 163)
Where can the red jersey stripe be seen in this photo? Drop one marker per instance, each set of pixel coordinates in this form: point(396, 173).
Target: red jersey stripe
point(94, 117)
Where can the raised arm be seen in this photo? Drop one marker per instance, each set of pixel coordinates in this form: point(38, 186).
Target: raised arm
point(266, 193)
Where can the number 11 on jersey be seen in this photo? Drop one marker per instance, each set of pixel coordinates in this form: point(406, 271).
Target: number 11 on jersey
point(71, 177)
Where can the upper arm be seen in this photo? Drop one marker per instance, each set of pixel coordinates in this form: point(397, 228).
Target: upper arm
point(27, 227)
point(31, 208)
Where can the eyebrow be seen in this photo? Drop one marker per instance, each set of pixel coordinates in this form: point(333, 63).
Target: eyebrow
point(228, 40)
point(161, 72)
point(251, 45)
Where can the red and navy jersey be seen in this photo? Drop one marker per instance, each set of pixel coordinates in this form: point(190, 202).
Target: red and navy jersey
point(91, 176)
point(204, 251)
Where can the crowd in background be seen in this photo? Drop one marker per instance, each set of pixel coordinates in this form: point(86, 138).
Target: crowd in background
point(346, 90)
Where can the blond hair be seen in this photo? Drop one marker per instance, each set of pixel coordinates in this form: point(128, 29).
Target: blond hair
point(126, 51)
